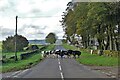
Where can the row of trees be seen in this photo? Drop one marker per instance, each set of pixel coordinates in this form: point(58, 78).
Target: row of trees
point(93, 22)
point(21, 42)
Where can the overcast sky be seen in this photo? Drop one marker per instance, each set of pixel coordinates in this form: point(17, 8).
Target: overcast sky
point(36, 18)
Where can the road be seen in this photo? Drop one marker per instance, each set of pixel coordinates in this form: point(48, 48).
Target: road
point(57, 68)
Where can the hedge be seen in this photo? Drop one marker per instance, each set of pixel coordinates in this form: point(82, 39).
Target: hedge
point(111, 53)
point(28, 54)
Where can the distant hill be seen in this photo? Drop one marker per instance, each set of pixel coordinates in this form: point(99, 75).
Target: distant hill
point(43, 42)
point(37, 42)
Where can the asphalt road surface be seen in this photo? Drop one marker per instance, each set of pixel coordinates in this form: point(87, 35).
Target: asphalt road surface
point(57, 68)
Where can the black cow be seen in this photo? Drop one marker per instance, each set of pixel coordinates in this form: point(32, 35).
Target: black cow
point(66, 53)
point(74, 53)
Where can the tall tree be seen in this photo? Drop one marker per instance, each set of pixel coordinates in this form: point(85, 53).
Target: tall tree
point(9, 43)
point(51, 38)
point(97, 21)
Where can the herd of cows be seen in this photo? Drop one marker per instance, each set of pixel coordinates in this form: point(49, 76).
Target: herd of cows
point(61, 53)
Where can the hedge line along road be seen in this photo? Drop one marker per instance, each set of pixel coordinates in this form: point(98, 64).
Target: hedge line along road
point(56, 68)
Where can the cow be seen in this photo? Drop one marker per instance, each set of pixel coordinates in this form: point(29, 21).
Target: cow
point(58, 52)
point(74, 53)
point(62, 53)
point(65, 53)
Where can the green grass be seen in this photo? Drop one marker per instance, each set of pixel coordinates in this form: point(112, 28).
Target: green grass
point(23, 64)
point(0, 48)
point(50, 47)
point(39, 45)
point(0, 45)
point(67, 46)
point(93, 59)
point(9, 54)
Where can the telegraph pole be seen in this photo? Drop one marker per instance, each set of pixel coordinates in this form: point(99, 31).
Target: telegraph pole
point(16, 40)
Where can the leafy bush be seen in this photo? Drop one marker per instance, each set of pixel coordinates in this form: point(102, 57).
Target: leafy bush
point(28, 54)
point(9, 43)
point(111, 53)
point(51, 38)
point(115, 53)
point(95, 51)
point(32, 47)
point(106, 52)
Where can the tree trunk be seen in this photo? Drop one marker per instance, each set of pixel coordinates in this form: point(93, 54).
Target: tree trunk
point(107, 45)
point(110, 37)
point(118, 37)
point(100, 44)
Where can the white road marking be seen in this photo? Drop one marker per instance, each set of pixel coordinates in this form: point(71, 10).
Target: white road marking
point(113, 76)
point(60, 68)
point(59, 63)
point(108, 74)
point(103, 72)
point(14, 73)
point(21, 73)
point(62, 76)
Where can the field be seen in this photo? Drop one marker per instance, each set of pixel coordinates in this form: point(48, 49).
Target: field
point(0, 55)
point(93, 59)
point(10, 54)
point(23, 64)
point(0, 45)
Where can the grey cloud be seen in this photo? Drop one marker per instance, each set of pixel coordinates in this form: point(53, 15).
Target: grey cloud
point(36, 11)
point(38, 27)
point(39, 32)
point(32, 26)
point(8, 9)
point(7, 32)
point(43, 27)
point(58, 31)
point(37, 36)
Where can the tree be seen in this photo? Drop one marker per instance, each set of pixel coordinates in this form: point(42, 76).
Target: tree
point(51, 38)
point(9, 43)
point(99, 22)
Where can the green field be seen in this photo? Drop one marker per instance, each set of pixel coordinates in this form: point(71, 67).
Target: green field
point(23, 64)
point(93, 59)
point(0, 45)
point(10, 54)
point(0, 55)
point(0, 48)
point(66, 46)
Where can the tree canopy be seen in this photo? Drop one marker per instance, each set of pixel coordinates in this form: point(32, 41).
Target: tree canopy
point(93, 22)
point(9, 43)
point(51, 38)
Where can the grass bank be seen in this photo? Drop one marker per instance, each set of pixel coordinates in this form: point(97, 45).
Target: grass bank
point(21, 64)
point(0, 45)
point(24, 64)
point(93, 59)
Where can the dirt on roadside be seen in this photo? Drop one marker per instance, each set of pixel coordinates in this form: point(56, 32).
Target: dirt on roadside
point(109, 71)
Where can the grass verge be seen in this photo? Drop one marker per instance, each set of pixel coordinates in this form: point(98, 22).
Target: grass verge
point(67, 46)
point(24, 64)
point(21, 64)
point(93, 59)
